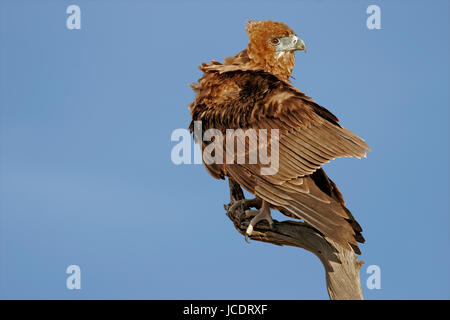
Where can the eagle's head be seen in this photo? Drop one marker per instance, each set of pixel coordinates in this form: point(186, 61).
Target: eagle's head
point(272, 45)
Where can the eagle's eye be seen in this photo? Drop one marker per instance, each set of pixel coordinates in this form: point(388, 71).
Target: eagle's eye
point(275, 41)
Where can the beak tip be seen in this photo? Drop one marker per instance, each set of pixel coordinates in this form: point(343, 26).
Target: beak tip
point(302, 45)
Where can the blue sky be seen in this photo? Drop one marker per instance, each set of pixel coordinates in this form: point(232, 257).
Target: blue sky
point(85, 171)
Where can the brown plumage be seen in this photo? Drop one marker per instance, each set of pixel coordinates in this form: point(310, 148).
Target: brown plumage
point(252, 90)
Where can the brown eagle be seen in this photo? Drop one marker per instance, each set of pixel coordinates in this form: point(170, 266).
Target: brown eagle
point(252, 90)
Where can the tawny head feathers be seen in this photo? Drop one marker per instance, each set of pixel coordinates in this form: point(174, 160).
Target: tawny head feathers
point(272, 45)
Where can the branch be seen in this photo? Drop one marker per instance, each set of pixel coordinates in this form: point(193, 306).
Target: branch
point(341, 264)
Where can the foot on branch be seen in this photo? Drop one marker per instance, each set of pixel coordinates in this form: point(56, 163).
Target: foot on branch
point(261, 214)
point(244, 204)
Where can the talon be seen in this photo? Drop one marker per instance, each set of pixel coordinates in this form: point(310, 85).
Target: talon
point(262, 214)
point(248, 232)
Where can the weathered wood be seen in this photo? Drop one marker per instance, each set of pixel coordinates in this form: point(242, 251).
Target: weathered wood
point(341, 264)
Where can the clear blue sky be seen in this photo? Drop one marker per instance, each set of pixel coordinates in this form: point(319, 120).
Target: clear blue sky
point(85, 171)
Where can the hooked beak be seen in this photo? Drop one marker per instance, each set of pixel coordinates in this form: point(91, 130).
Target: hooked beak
point(291, 43)
point(300, 45)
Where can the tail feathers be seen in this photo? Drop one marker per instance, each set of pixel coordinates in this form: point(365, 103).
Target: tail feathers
point(329, 187)
point(356, 227)
point(328, 217)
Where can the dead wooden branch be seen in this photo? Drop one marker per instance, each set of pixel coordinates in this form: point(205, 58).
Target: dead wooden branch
point(341, 264)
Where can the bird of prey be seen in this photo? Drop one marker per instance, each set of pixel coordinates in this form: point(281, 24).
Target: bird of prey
point(252, 90)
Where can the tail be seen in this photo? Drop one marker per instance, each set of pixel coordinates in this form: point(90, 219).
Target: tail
point(329, 187)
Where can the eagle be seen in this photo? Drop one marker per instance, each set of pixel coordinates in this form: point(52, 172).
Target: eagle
point(252, 90)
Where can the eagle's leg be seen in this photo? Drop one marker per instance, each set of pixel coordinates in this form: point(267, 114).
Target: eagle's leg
point(262, 214)
point(245, 204)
